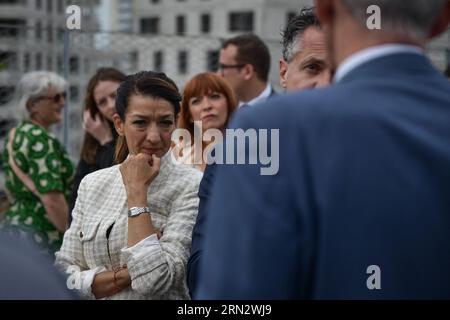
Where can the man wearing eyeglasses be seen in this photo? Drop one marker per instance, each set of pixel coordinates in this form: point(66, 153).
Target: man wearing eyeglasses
point(245, 63)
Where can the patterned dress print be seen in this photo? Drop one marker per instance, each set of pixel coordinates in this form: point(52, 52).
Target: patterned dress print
point(42, 157)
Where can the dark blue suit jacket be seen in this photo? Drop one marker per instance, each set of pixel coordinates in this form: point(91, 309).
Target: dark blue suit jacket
point(26, 273)
point(199, 227)
point(364, 180)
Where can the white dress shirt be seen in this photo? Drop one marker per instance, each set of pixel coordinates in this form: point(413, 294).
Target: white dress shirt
point(372, 53)
point(262, 97)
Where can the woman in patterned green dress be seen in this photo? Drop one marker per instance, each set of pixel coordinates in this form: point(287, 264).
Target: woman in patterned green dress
point(41, 213)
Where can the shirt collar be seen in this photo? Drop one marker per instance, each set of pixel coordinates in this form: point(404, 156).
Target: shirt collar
point(263, 96)
point(372, 53)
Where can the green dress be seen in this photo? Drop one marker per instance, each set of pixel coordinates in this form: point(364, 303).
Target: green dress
point(42, 157)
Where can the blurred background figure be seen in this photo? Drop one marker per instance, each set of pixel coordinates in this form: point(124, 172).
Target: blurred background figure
point(244, 62)
point(207, 100)
point(37, 168)
point(26, 274)
point(100, 137)
point(304, 63)
point(447, 72)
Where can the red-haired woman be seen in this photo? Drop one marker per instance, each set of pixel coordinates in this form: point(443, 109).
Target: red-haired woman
point(208, 102)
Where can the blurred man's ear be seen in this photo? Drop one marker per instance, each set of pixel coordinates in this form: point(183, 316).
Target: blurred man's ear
point(249, 71)
point(442, 22)
point(283, 70)
point(324, 10)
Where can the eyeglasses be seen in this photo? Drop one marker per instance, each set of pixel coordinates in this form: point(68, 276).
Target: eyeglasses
point(56, 98)
point(230, 66)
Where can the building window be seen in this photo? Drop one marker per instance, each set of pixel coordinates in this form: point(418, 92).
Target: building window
point(38, 62)
point(74, 65)
point(12, 27)
point(182, 62)
point(158, 61)
point(155, 1)
point(213, 60)
point(38, 4)
point(87, 66)
point(241, 21)
point(26, 62)
point(74, 93)
point(38, 30)
point(6, 95)
point(59, 6)
point(50, 63)
point(8, 60)
point(50, 33)
point(150, 25)
point(134, 58)
point(59, 65)
point(180, 25)
point(205, 23)
point(49, 6)
point(60, 34)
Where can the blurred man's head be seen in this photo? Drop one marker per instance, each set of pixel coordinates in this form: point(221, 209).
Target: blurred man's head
point(304, 63)
point(345, 24)
point(245, 63)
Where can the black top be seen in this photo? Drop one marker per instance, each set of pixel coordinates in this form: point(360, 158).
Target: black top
point(103, 159)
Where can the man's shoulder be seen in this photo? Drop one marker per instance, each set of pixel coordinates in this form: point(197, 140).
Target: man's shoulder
point(282, 109)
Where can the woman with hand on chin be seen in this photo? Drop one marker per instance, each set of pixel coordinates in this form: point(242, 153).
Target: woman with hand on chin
point(132, 223)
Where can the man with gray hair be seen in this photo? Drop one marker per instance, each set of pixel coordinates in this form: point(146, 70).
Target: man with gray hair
point(304, 64)
point(360, 206)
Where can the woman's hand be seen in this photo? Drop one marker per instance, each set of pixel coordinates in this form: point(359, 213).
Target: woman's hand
point(138, 172)
point(106, 284)
point(97, 127)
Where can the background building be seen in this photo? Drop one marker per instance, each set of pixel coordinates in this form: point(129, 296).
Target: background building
point(183, 37)
point(32, 37)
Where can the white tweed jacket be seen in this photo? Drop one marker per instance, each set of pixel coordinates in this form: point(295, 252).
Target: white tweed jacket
point(97, 238)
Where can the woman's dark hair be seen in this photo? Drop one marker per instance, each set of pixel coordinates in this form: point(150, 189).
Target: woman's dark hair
point(148, 84)
point(91, 145)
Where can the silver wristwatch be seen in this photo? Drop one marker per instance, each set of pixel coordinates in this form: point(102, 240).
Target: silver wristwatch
point(135, 211)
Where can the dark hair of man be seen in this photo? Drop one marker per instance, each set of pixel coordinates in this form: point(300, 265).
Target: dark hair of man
point(251, 50)
point(295, 28)
point(147, 84)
